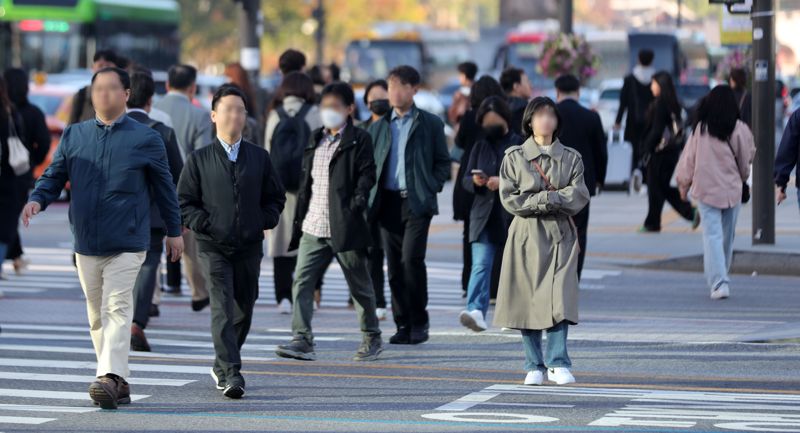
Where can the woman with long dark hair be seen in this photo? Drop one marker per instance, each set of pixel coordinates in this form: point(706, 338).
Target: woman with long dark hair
point(488, 226)
point(662, 145)
point(714, 167)
point(542, 186)
point(10, 209)
point(468, 133)
point(36, 138)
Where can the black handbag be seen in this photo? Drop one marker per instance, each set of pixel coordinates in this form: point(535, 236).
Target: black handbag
point(745, 186)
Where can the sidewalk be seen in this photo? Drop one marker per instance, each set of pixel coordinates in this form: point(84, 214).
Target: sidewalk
point(614, 240)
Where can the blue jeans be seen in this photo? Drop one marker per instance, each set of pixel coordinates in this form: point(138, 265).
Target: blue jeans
point(719, 227)
point(480, 276)
point(556, 348)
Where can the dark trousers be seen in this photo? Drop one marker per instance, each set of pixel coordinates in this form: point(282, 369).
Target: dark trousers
point(659, 173)
point(174, 276)
point(15, 247)
point(375, 264)
point(405, 239)
point(145, 283)
point(283, 277)
point(466, 256)
point(233, 292)
point(582, 224)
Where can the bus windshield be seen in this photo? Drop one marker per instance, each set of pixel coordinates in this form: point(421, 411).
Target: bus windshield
point(368, 60)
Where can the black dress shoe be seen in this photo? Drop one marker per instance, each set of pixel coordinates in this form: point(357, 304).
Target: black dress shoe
point(418, 335)
point(402, 336)
point(199, 305)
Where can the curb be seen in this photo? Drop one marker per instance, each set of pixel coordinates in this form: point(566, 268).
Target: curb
point(744, 262)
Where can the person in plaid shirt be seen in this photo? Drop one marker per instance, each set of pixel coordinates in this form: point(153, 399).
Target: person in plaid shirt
point(338, 173)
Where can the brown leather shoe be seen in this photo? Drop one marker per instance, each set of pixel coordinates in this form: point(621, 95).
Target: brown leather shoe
point(138, 340)
point(104, 392)
point(123, 392)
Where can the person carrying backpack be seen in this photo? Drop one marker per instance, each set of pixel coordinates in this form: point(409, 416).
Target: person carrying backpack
point(293, 116)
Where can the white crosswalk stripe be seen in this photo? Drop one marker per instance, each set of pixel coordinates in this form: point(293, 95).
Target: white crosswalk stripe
point(52, 269)
point(39, 385)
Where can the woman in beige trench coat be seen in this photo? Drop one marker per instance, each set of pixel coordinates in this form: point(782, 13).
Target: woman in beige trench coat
point(539, 274)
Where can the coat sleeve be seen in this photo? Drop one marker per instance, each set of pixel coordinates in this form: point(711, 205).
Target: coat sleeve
point(600, 150)
point(174, 157)
point(40, 137)
point(788, 152)
point(656, 128)
point(52, 181)
point(684, 172)
point(571, 199)
point(162, 184)
point(623, 100)
point(365, 176)
point(472, 163)
point(745, 149)
point(202, 137)
point(190, 197)
point(441, 157)
point(273, 195)
point(512, 198)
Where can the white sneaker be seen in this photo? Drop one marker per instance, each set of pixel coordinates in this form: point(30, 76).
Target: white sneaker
point(381, 313)
point(473, 320)
point(285, 307)
point(561, 376)
point(535, 377)
point(721, 292)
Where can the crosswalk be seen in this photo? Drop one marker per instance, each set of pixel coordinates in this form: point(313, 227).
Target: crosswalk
point(51, 269)
point(45, 370)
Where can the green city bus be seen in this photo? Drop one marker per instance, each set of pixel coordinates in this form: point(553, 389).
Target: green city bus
point(59, 35)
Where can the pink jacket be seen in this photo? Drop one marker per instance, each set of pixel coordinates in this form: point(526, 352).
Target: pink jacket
point(708, 167)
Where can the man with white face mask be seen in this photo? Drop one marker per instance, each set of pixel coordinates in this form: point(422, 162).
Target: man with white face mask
point(338, 173)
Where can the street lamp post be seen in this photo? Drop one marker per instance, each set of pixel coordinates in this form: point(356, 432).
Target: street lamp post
point(763, 16)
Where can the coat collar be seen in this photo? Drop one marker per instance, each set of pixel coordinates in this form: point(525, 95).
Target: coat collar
point(531, 150)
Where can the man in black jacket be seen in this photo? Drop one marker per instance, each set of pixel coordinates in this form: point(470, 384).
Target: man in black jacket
point(139, 103)
point(229, 194)
point(338, 172)
point(634, 98)
point(412, 165)
point(517, 86)
point(788, 158)
point(584, 133)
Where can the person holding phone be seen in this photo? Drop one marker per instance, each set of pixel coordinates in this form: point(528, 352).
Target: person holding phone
point(488, 220)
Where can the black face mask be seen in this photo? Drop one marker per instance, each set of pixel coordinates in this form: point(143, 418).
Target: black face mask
point(494, 132)
point(380, 106)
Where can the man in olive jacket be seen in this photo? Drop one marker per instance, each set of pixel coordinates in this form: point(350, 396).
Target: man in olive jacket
point(229, 194)
point(412, 166)
point(338, 172)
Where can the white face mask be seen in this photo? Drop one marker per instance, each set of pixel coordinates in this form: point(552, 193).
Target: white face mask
point(331, 118)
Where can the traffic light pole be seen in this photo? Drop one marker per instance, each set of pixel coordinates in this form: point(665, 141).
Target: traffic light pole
point(763, 16)
point(250, 55)
point(565, 15)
